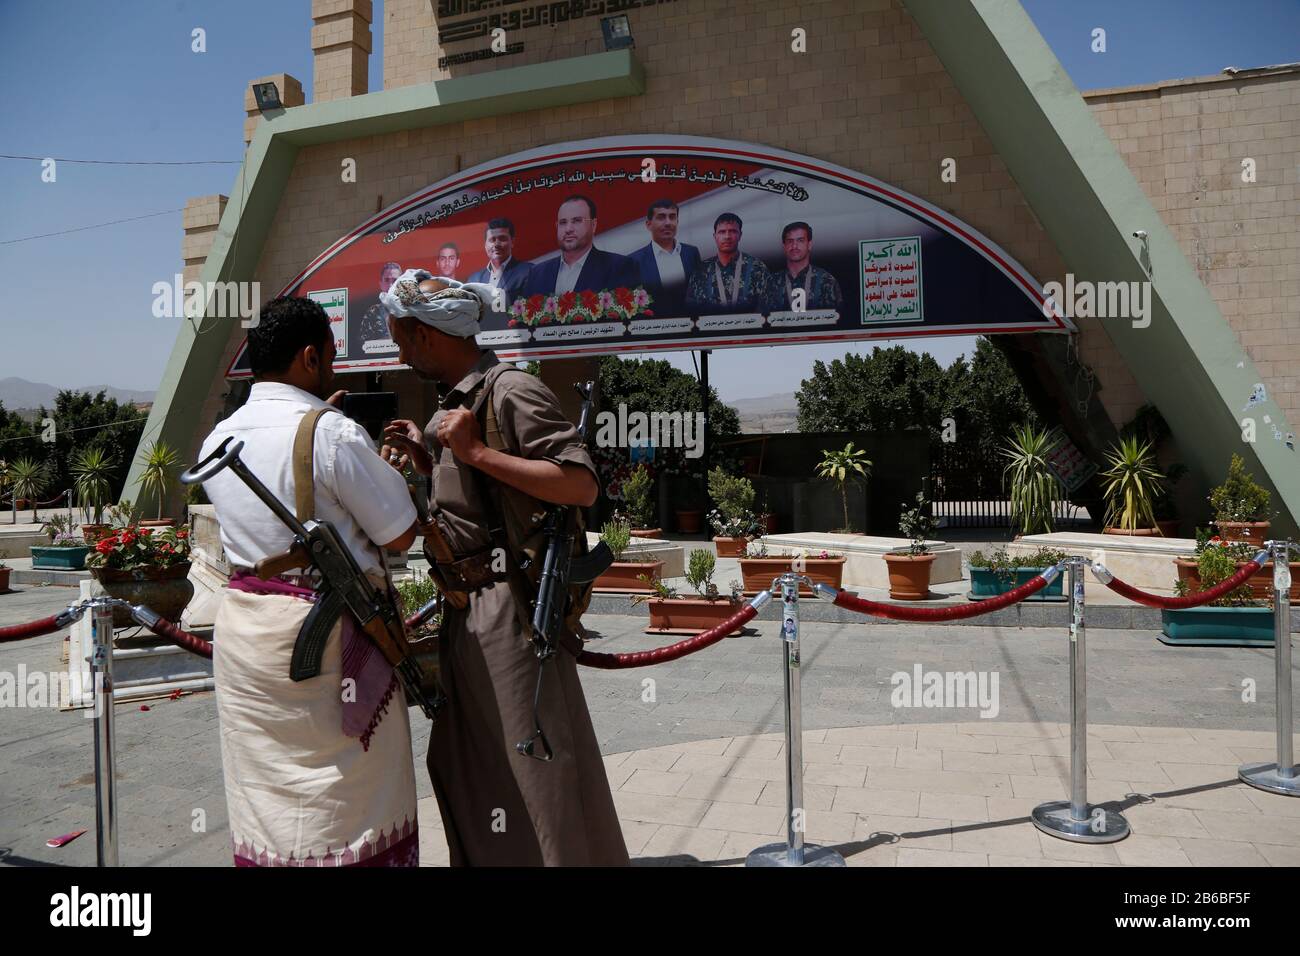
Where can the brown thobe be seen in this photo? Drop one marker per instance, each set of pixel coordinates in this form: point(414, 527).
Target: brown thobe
point(499, 807)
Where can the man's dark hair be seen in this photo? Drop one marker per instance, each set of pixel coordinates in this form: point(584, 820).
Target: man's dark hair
point(501, 223)
point(728, 217)
point(578, 197)
point(450, 245)
point(285, 326)
point(659, 204)
point(796, 225)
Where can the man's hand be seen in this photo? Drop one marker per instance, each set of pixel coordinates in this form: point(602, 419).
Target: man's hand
point(337, 398)
point(404, 442)
point(458, 430)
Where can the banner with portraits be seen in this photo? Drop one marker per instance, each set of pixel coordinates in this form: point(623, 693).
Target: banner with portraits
point(637, 244)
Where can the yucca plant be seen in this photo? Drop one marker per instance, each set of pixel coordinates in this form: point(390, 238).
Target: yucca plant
point(92, 472)
point(1132, 485)
point(1035, 490)
point(844, 467)
point(27, 479)
point(161, 462)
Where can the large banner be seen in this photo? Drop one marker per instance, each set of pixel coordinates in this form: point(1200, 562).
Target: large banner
point(650, 243)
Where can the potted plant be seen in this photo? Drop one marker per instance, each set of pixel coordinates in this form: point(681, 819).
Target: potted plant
point(161, 462)
point(624, 576)
point(92, 473)
point(66, 551)
point(909, 571)
point(637, 496)
point(1131, 486)
point(1241, 506)
point(998, 572)
point(1035, 490)
point(1238, 619)
point(670, 614)
point(28, 480)
point(758, 568)
point(1260, 583)
point(844, 467)
point(733, 521)
point(147, 566)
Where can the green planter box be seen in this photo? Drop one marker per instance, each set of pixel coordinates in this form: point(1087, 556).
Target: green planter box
point(984, 583)
point(59, 559)
point(1218, 627)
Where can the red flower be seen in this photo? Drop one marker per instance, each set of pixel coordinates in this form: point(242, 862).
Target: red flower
point(106, 545)
point(128, 537)
point(182, 535)
point(589, 299)
point(623, 297)
point(513, 323)
point(146, 531)
point(535, 302)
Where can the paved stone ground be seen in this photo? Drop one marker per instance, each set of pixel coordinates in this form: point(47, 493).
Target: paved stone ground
point(698, 769)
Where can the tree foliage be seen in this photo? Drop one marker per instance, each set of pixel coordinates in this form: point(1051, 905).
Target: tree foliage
point(894, 388)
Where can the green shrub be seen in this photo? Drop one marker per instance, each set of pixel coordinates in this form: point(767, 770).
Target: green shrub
point(1215, 564)
point(699, 572)
point(636, 495)
point(917, 524)
point(617, 534)
point(1239, 498)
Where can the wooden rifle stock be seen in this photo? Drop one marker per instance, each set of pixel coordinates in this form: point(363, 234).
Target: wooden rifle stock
point(295, 557)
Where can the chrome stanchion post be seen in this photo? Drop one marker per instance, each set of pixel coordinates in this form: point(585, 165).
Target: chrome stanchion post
point(1075, 819)
point(793, 852)
point(1283, 776)
point(101, 672)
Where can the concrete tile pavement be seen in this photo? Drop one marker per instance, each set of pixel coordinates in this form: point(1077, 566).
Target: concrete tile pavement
point(699, 784)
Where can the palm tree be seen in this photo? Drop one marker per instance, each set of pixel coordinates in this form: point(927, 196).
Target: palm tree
point(27, 479)
point(844, 467)
point(160, 462)
point(92, 470)
point(1035, 489)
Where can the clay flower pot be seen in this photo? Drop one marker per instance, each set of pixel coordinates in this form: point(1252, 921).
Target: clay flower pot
point(1260, 583)
point(4, 579)
point(689, 615)
point(1136, 532)
point(730, 547)
point(647, 532)
point(93, 532)
point(158, 523)
point(1254, 532)
point(909, 576)
point(690, 522)
point(757, 573)
point(621, 577)
point(165, 591)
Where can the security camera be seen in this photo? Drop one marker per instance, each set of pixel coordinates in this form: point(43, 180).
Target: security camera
point(1139, 233)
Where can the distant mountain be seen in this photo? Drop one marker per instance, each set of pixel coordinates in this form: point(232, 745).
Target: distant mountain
point(19, 393)
point(770, 414)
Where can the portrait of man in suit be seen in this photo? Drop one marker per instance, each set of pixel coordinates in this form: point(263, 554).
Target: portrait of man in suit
point(503, 270)
point(664, 263)
point(580, 266)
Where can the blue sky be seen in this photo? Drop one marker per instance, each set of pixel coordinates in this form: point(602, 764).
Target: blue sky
point(86, 79)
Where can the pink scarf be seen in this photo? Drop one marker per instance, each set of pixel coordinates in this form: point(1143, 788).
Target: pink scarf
point(373, 680)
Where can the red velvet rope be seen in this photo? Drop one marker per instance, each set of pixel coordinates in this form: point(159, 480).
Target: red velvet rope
point(190, 642)
point(20, 632)
point(1192, 600)
point(671, 652)
point(39, 504)
point(900, 612)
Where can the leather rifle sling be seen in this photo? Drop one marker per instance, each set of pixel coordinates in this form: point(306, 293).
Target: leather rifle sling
point(304, 480)
point(494, 508)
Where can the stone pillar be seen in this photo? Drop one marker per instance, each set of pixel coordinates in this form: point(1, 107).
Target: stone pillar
point(199, 220)
point(340, 44)
point(290, 95)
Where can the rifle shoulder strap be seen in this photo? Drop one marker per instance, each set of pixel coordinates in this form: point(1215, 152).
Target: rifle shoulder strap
point(304, 482)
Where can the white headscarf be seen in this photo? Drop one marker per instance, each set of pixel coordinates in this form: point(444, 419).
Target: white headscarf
point(455, 310)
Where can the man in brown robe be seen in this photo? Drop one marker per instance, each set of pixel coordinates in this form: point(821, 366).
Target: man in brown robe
point(498, 806)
